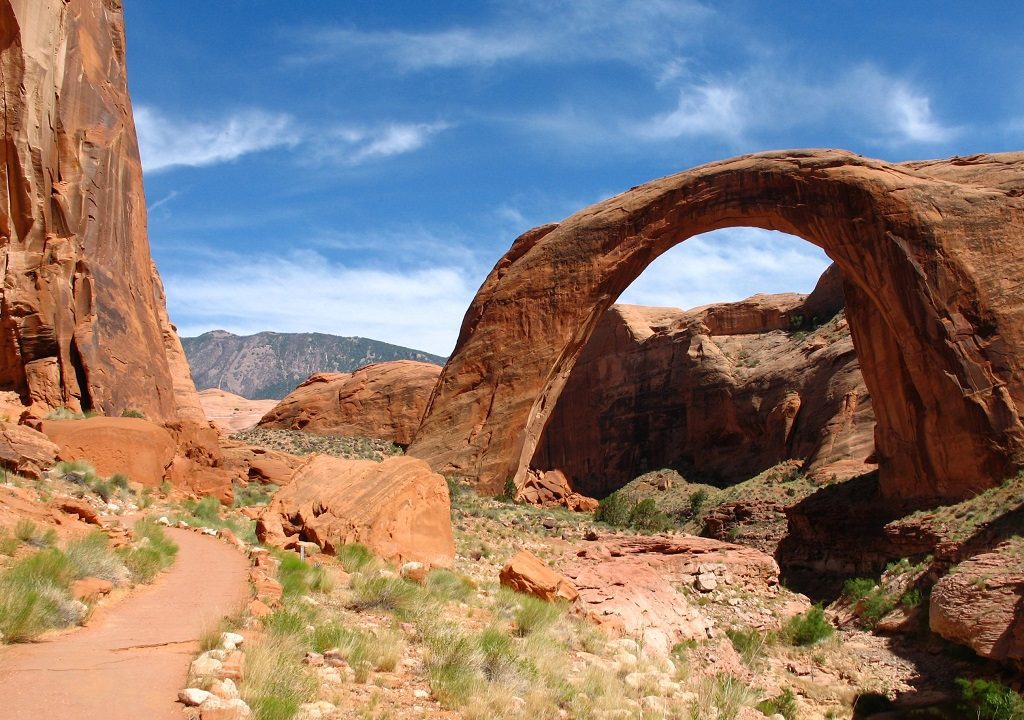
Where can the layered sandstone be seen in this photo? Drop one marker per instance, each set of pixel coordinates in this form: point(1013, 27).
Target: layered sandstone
point(383, 400)
point(399, 509)
point(979, 603)
point(924, 249)
point(232, 413)
point(136, 448)
point(83, 322)
point(722, 392)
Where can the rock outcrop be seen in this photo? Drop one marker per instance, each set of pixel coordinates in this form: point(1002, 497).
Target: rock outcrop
point(981, 603)
point(552, 489)
point(526, 573)
point(722, 392)
point(136, 448)
point(83, 320)
point(383, 400)
point(399, 509)
point(924, 249)
point(25, 451)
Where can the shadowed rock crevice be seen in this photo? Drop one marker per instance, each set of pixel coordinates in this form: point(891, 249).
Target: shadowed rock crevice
point(924, 249)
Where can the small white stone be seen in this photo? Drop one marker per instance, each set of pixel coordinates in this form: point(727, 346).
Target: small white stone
point(193, 697)
point(706, 582)
point(205, 666)
point(231, 641)
point(209, 531)
point(420, 693)
point(162, 520)
point(225, 689)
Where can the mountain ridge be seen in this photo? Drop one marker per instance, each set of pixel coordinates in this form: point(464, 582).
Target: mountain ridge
point(270, 364)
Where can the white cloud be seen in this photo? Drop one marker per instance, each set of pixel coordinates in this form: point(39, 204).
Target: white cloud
point(892, 106)
point(306, 292)
point(728, 265)
point(710, 110)
point(354, 145)
point(168, 142)
point(633, 31)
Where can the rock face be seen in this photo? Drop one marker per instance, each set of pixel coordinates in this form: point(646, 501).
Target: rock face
point(383, 400)
point(270, 365)
point(232, 413)
point(139, 449)
point(723, 392)
point(979, 604)
point(399, 508)
point(924, 248)
point(25, 451)
point(83, 321)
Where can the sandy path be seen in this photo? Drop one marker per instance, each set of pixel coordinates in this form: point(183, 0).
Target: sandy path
point(130, 663)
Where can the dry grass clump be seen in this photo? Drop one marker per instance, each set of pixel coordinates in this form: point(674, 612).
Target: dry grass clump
point(152, 551)
point(276, 682)
point(91, 556)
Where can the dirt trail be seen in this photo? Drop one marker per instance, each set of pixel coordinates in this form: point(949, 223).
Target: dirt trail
point(130, 663)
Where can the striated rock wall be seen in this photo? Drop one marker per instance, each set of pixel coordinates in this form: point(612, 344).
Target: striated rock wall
point(83, 321)
point(722, 392)
point(928, 252)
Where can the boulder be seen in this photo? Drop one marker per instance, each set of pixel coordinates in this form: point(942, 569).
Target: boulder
point(553, 489)
point(74, 506)
point(980, 603)
point(137, 448)
point(383, 400)
point(26, 451)
point(528, 574)
point(399, 509)
point(937, 328)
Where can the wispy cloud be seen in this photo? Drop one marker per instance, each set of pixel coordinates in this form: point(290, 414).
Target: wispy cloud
point(713, 109)
point(892, 106)
point(354, 145)
point(728, 265)
point(562, 31)
point(163, 201)
point(308, 292)
point(168, 142)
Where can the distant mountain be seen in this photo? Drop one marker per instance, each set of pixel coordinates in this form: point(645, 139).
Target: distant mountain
point(271, 365)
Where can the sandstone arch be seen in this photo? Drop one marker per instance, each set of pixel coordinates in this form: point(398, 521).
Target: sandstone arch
point(933, 259)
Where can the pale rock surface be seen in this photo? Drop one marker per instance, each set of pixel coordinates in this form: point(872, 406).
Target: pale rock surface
point(528, 574)
point(137, 448)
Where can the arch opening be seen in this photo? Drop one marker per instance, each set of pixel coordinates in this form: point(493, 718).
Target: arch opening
point(915, 243)
point(724, 390)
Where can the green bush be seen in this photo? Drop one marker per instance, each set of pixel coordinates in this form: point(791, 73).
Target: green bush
point(91, 556)
point(153, 551)
point(34, 596)
point(990, 700)
point(119, 481)
point(749, 643)
point(298, 577)
point(646, 516)
point(697, 501)
point(534, 614)
point(613, 510)
point(784, 705)
point(508, 493)
point(27, 532)
point(807, 628)
point(382, 592)
point(870, 600)
point(354, 557)
point(8, 545)
point(207, 509)
point(130, 413)
point(253, 494)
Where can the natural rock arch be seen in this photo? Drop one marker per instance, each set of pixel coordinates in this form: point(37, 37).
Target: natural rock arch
point(932, 255)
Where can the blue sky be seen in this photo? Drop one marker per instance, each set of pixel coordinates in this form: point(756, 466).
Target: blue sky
point(358, 168)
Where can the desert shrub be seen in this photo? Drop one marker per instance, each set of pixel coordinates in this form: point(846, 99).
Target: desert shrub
point(146, 498)
point(290, 621)
point(153, 551)
point(34, 596)
point(724, 694)
point(383, 592)
point(856, 589)
point(207, 509)
point(534, 614)
point(446, 586)
point(119, 481)
point(354, 557)
point(509, 491)
point(131, 413)
point(91, 556)
point(78, 471)
point(749, 643)
point(613, 510)
point(871, 601)
point(452, 665)
point(364, 651)
point(697, 501)
point(784, 705)
point(990, 700)
point(253, 494)
point(276, 682)
point(807, 628)
point(102, 488)
point(8, 544)
point(298, 577)
point(646, 516)
point(912, 598)
point(29, 533)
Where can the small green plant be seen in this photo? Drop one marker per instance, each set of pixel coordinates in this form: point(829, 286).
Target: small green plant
point(807, 628)
point(253, 494)
point(508, 493)
point(446, 586)
point(119, 481)
point(870, 601)
point(300, 578)
point(276, 682)
point(354, 557)
point(8, 544)
point(535, 615)
point(131, 413)
point(27, 532)
point(646, 516)
point(103, 488)
point(697, 501)
point(381, 592)
point(153, 551)
point(91, 556)
point(613, 509)
point(749, 643)
point(990, 700)
point(784, 705)
point(34, 596)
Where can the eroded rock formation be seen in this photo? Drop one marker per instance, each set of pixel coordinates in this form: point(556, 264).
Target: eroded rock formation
point(383, 400)
point(399, 508)
point(723, 392)
point(924, 248)
point(136, 448)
